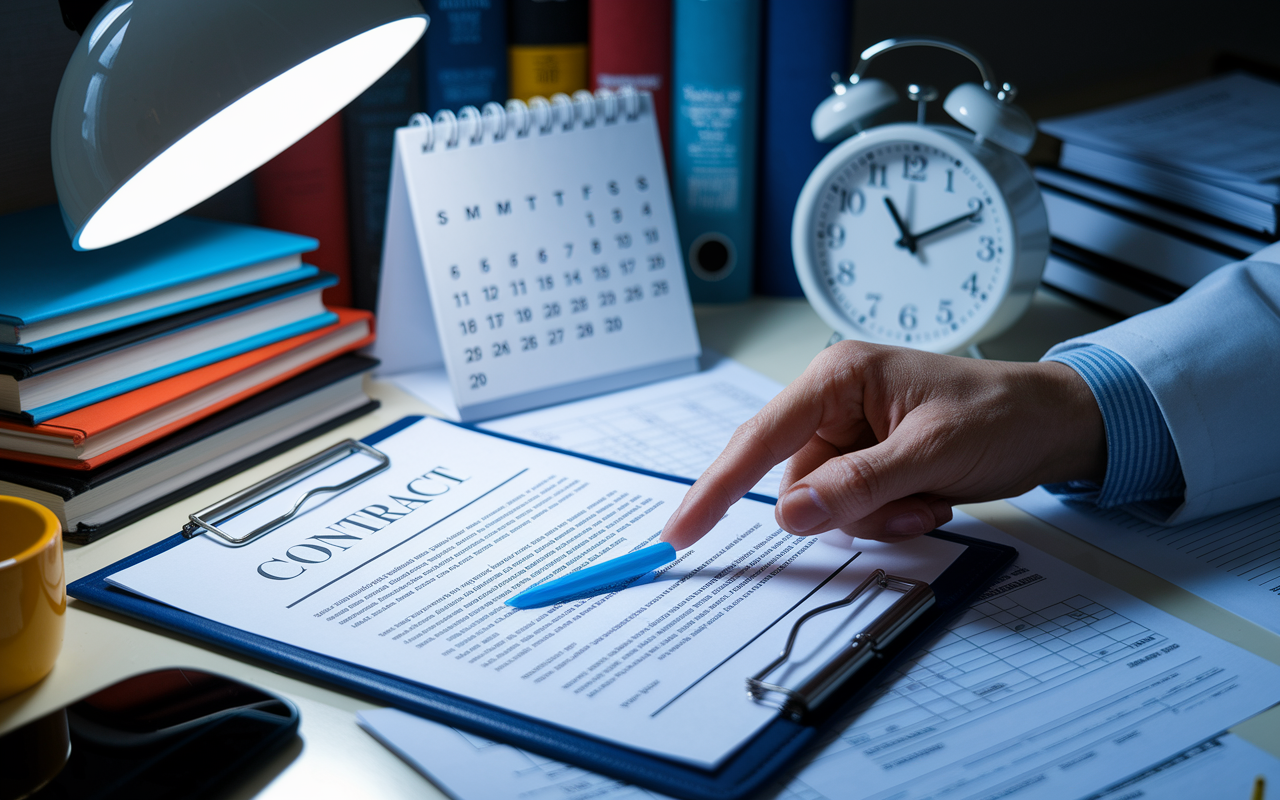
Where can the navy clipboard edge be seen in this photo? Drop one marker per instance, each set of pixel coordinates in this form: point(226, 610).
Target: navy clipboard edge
point(767, 758)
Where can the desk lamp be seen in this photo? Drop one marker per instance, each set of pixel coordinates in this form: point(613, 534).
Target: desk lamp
point(166, 102)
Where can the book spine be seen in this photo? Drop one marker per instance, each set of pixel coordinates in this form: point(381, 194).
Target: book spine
point(630, 45)
point(464, 56)
point(548, 47)
point(716, 85)
point(370, 125)
point(304, 190)
point(804, 44)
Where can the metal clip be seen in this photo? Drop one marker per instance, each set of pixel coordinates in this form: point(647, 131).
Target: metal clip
point(206, 519)
point(797, 703)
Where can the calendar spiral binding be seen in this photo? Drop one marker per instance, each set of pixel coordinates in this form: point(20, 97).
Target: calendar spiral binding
point(495, 122)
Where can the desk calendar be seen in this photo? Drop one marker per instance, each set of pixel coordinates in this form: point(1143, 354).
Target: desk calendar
point(532, 253)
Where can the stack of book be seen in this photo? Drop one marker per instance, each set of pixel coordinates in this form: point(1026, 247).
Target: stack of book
point(1152, 195)
point(138, 374)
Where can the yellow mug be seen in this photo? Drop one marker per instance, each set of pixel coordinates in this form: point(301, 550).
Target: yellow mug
point(33, 593)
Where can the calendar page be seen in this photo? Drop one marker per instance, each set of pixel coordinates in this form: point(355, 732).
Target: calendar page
point(550, 254)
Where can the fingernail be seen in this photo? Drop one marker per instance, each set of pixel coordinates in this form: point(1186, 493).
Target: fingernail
point(941, 511)
point(801, 510)
point(907, 523)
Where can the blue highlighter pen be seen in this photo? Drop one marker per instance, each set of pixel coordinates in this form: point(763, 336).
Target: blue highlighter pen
point(609, 576)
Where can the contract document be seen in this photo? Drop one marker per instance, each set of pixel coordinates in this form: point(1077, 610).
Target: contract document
point(406, 574)
point(1232, 560)
point(1053, 685)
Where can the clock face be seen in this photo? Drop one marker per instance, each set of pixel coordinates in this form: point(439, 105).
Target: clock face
point(908, 239)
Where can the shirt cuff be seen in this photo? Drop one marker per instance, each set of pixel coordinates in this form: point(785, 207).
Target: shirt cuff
point(1142, 462)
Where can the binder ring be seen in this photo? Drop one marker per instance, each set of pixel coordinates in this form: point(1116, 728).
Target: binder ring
point(629, 99)
point(916, 598)
point(608, 103)
point(562, 110)
point(420, 120)
point(543, 117)
point(494, 118)
point(518, 118)
point(585, 102)
point(205, 520)
point(447, 122)
point(471, 124)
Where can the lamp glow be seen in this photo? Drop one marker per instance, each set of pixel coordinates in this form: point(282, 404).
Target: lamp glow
point(135, 145)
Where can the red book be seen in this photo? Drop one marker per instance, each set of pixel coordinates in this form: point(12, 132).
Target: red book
point(631, 46)
point(304, 190)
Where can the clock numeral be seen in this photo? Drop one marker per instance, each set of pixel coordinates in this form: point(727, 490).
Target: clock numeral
point(945, 315)
point(875, 300)
point(907, 317)
point(913, 167)
point(835, 236)
point(951, 176)
point(971, 284)
point(852, 202)
point(844, 273)
point(879, 176)
point(987, 250)
point(975, 209)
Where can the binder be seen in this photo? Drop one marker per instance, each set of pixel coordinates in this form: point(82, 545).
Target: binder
point(715, 116)
point(808, 716)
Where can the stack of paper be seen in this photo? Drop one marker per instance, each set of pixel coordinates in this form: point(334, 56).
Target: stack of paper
point(1152, 195)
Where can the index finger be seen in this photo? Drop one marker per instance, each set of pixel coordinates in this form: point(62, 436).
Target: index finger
point(781, 428)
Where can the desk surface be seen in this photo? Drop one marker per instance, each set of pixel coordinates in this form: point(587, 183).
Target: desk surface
point(333, 757)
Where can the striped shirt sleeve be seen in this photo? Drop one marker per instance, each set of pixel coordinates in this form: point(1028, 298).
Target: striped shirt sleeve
point(1142, 462)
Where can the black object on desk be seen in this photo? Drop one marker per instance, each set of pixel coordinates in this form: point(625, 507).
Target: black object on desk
point(170, 733)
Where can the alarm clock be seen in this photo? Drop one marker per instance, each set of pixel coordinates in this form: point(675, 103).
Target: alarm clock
point(928, 236)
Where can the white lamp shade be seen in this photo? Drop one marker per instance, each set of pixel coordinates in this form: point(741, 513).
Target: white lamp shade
point(166, 102)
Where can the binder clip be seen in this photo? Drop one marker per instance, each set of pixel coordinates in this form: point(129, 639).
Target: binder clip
point(206, 520)
point(797, 703)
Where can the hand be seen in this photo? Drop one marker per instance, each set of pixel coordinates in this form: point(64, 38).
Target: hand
point(884, 440)
point(948, 224)
point(908, 241)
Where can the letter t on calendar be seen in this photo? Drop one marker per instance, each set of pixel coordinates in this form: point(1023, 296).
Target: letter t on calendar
point(407, 573)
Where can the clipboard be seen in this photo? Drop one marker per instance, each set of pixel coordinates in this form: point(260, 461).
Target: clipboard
point(811, 713)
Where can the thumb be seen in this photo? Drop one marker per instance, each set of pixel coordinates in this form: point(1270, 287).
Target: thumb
point(873, 493)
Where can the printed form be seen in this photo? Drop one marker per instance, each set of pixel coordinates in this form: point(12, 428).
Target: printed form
point(675, 427)
point(407, 573)
point(1232, 559)
point(1053, 685)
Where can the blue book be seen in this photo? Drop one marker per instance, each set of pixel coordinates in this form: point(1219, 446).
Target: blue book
point(464, 54)
point(54, 295)
point(715, 113)
point(804, 44)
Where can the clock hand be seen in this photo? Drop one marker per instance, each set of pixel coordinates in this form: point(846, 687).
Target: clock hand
point(948, 224)
point(908, 241)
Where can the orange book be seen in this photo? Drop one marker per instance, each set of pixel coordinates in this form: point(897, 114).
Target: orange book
point(97, 434)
